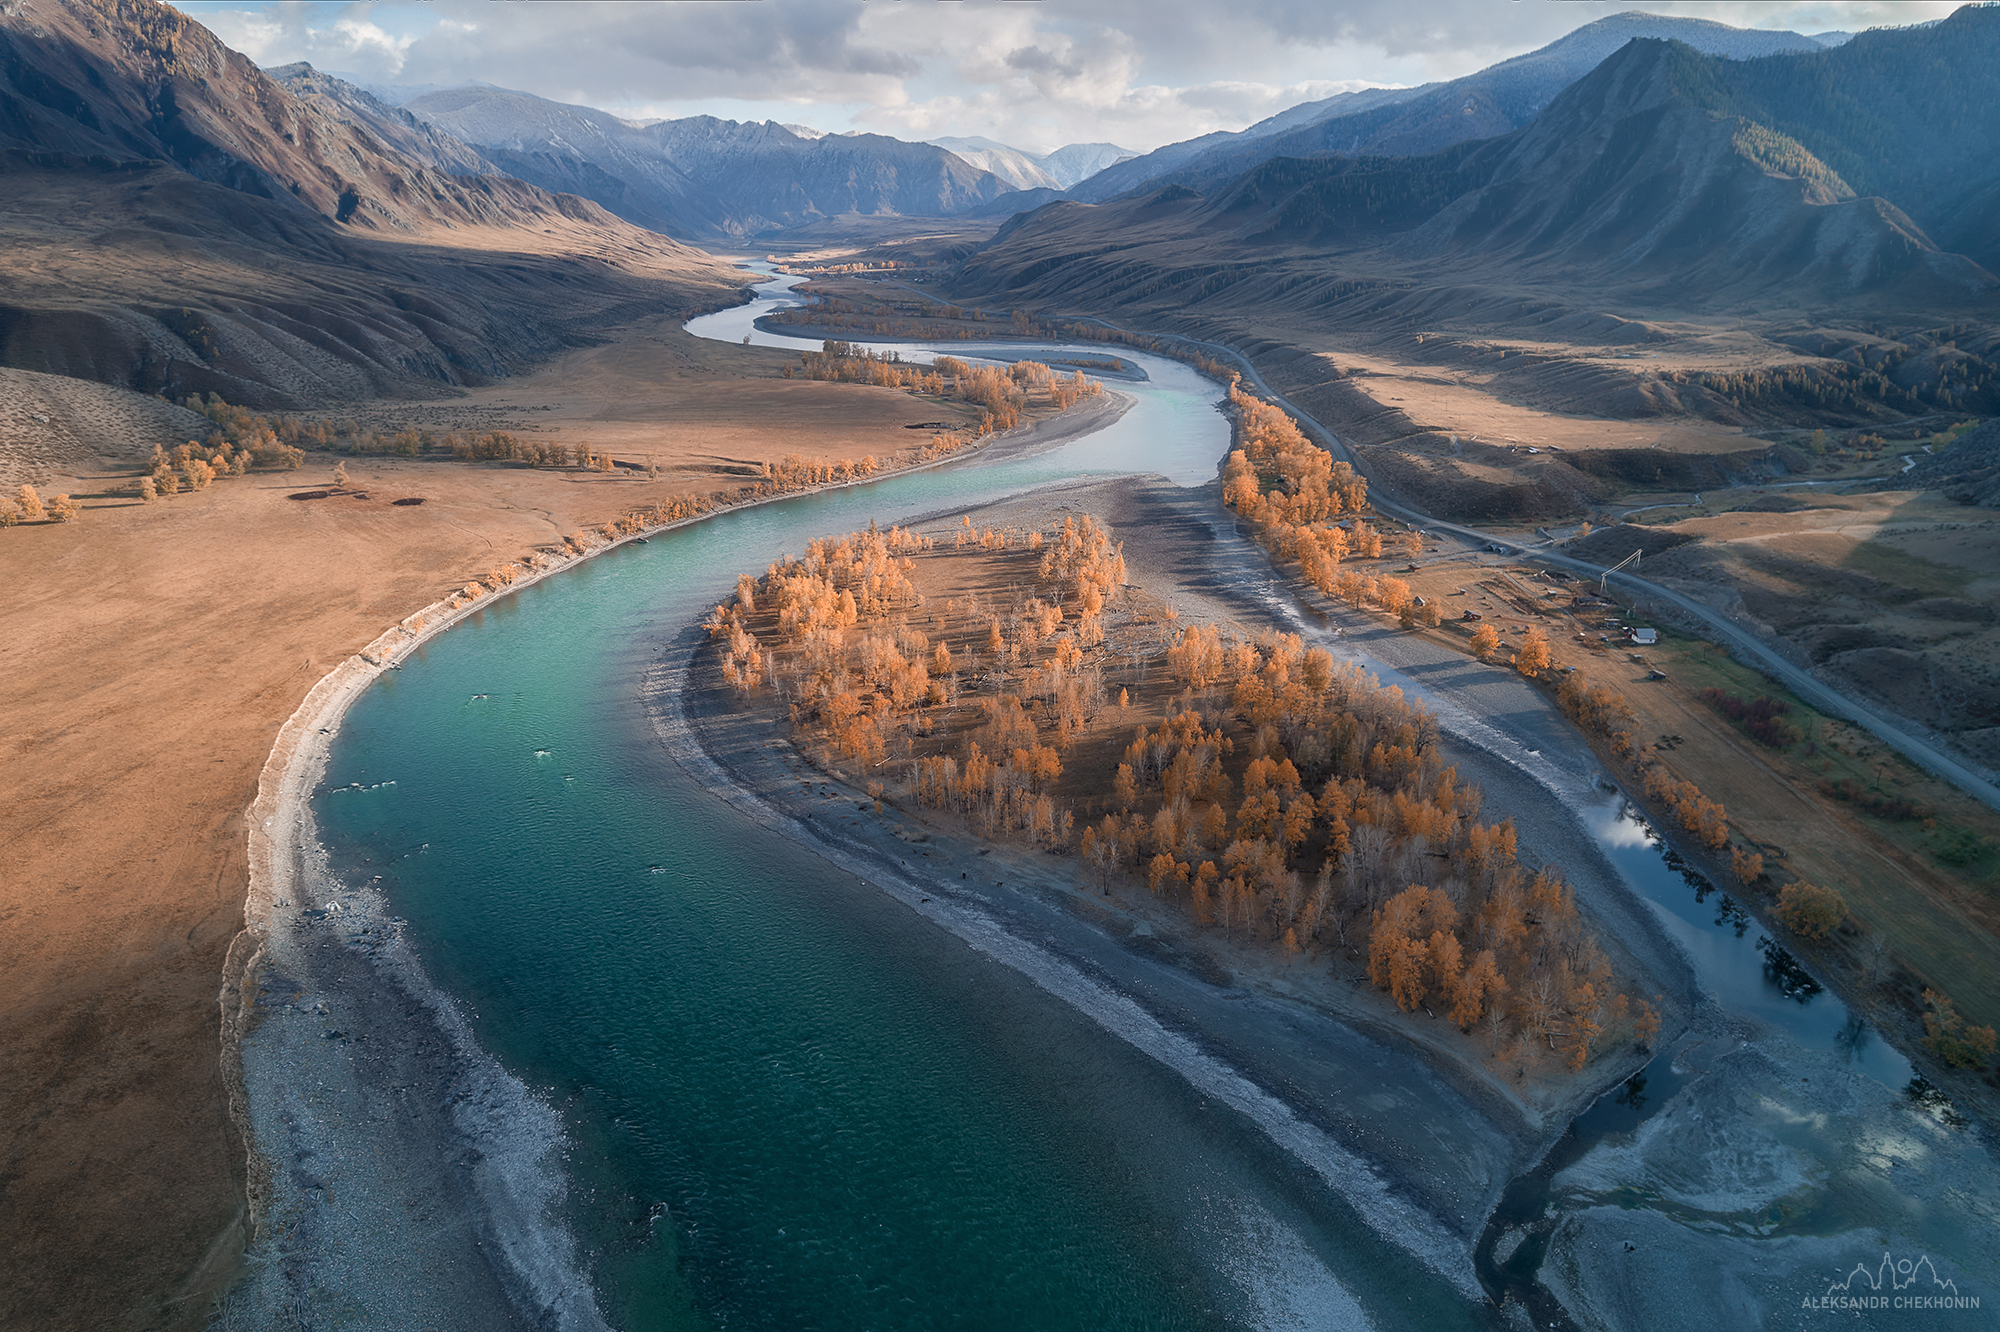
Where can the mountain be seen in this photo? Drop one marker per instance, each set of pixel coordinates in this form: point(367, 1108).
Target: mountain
point(1645, 179)
point(132, 80)
point(394, 127)
point(395, 94)
point(704, 177)
point(1410, 121)
point(1909, 114)
point(1075, 162)
point(769, 177)
point(1025, 171)
point(1020, 170)
point(576, 150)
point(1634, 173)
point(1133, 173)
point(177, 221)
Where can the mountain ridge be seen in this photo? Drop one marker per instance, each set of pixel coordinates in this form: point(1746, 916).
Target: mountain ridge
point(1630, 180)
point(701, 176)
point(1408, 122)
point(180, 222)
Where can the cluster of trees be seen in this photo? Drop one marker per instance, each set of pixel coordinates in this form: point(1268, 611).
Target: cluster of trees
point(1281, 797)
point(497, 446)
point(280, 441)
point(1295, 494)
point(1104, 364)
point(28, 506)
point(1698, 815)
point(1599, 710)
point(1951, 1038)
point(196, 466)
point(864, 679)
point(1532, 656)
point(1000, 394)
point(796, 472)
point(1390, 846)
point(1962, 383)
point(887, 321)
point(1761, 718)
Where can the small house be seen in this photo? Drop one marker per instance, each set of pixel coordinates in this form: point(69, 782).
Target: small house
point(1643, 637)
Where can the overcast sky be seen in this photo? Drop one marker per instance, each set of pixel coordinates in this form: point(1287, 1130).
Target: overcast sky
point(1032, 73)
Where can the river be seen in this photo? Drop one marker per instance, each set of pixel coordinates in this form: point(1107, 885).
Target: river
point(757, 1092)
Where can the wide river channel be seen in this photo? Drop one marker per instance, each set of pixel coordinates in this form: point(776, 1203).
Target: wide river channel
point(789, 1101)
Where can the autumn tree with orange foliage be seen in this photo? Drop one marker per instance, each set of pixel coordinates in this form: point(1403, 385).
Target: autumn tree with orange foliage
point(1706, 819)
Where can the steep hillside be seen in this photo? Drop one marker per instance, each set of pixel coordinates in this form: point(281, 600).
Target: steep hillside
point(1630, 177)
point(1021, 171)
point(1079, 161)
point(135, 80)
point(704, 177)
point(576, 150)
point(179, 222)
point(394, 127)
point(1497, 99)
point(1909, 114)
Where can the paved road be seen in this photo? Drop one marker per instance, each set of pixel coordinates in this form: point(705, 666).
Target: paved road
point(1891, 732)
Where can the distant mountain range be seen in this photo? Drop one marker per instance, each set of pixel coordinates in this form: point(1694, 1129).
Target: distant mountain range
point(697, 178)
point(1405, 121)
point(179, 219)
point(1677, 178)
point(1059, 170)
point(704, 178)
point(708, 179)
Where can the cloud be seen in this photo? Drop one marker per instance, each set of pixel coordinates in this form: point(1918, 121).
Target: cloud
point(1136, 72)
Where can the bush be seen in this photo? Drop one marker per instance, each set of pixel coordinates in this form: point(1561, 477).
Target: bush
point(1875, 802)
point(1748, 866)
point(1810, 910)
point(1761, 718)
point(1960, 848)
point(1950, 1039)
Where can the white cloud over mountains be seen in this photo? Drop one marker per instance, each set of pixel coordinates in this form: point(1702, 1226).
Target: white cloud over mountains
point(1037, 75)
